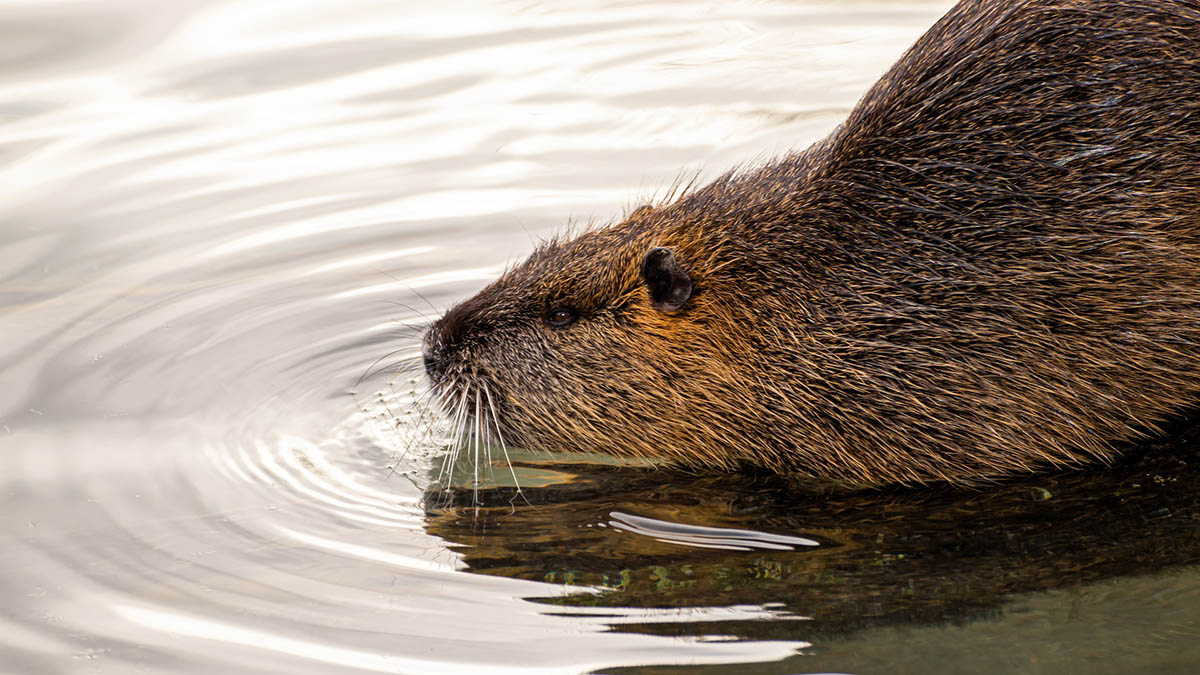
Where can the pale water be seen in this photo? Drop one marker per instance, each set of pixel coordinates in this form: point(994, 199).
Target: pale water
point(217, 216)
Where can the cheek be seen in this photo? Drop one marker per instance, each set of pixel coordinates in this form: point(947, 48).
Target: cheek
point(560, 364)
point(599, 345)
point(580, 366)
point(504, 357)
point(613, 368)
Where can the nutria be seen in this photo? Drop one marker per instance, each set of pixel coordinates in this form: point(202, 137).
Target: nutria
point(992, 266)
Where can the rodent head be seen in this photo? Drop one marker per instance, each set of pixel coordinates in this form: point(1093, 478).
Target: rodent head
point(613, 341)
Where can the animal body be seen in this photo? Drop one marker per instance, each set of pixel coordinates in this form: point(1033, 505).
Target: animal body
point(991, 267)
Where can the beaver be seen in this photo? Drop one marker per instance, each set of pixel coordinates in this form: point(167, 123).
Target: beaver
point(991, 267)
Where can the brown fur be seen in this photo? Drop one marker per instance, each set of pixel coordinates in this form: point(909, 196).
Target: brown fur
point(992, 266)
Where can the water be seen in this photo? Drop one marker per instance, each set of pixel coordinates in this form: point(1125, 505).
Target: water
point(217, 216)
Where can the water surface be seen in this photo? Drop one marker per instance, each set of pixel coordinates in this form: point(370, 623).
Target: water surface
point(219, 216)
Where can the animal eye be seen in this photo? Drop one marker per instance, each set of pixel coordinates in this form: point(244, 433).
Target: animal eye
point(560, 316)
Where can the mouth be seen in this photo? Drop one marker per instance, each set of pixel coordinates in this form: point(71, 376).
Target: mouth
point(477, 429)
point(469, 402)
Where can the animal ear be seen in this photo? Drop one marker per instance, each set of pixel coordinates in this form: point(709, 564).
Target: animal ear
point(670, 287)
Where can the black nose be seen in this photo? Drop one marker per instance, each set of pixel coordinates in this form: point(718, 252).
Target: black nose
point(440, 341)
point(435, 368)
point(434, 354)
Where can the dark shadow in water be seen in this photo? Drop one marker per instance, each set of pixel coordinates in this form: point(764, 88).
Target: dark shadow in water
point(885, 558)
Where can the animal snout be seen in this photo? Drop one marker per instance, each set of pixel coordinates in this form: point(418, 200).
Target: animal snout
point(433, 352)
point(439, 344)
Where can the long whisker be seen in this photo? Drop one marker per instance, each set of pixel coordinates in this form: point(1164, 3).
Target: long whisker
point(475, 455)
point(424, 299)
point(410, 290)
point(419, 328)
point(503, 446)
point(406, 365)
point(487, 433)
point(419, 312)
point(459, 427)
point(368, 372)
point(447, 470)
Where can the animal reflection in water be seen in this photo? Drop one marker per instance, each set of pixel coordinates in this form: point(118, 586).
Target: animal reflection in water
point(893, 557)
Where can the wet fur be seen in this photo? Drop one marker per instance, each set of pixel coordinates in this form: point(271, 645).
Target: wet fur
point(993, 266)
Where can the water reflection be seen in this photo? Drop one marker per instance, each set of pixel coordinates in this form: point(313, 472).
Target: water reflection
point(848, 564)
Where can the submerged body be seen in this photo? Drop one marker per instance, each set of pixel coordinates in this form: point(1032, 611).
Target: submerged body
point(992, 266)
